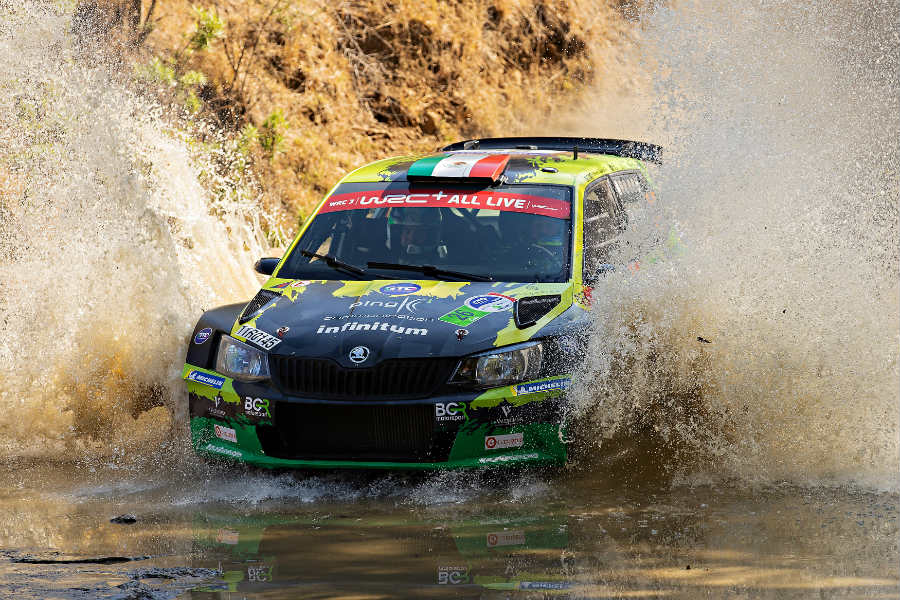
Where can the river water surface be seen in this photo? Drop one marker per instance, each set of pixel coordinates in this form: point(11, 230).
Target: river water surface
point(227, 534)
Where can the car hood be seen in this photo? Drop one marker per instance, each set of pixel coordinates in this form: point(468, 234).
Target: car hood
point(392, 319)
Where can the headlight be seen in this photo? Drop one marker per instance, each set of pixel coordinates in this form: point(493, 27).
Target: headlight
point(240, 361)
point(491, 369)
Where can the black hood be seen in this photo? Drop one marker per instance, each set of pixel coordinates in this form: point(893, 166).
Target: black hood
point(392, 319)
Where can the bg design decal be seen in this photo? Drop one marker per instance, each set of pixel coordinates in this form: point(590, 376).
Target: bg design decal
point(449, 411)
point(256, 407)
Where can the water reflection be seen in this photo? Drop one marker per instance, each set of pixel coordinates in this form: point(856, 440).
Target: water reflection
point(230, 535)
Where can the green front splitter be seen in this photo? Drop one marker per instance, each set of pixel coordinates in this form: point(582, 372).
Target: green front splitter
point(542, 447)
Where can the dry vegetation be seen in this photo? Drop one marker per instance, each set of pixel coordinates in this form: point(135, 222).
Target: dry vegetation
point(317, 88)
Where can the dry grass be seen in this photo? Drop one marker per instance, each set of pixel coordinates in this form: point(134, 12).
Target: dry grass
point(359, 80)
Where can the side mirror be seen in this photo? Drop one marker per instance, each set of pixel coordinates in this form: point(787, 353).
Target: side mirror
point(266, 266)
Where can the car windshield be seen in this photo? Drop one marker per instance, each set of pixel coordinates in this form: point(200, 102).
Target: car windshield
point(389, 230)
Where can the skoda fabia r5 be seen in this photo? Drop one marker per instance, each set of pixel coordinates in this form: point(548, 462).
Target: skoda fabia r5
point(426, 316)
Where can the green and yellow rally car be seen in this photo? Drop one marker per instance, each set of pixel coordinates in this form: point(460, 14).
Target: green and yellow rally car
point(428, 315)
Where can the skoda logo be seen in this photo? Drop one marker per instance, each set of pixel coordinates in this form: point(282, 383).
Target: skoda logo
point(359, 354)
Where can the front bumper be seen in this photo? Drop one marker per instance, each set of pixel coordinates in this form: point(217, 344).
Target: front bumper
point(511, 425)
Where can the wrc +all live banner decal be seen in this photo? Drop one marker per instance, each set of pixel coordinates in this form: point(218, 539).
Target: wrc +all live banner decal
point(491, 200)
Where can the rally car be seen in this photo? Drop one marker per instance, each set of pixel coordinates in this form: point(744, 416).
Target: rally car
point(427, 314)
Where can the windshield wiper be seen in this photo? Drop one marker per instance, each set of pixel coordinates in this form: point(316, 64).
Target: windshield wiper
point(333, 262)
point(431, 270)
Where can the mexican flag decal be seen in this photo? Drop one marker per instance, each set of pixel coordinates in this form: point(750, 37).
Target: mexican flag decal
point(460, 164)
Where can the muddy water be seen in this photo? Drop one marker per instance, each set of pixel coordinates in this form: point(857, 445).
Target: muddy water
point(225, 533)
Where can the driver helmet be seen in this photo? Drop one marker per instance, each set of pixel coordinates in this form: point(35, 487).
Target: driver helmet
point(546, 231)
point(417, 230)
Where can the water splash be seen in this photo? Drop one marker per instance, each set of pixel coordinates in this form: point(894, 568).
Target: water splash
point(780, 123)
point(109, 249)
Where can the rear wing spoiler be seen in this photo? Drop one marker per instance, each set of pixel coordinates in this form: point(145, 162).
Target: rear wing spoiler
point(627, 148)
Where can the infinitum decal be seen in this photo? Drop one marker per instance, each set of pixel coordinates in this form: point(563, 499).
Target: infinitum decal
point(376, 326)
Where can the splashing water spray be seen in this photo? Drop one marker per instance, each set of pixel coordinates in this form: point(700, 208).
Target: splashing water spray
point(763, 347)
point(108, 250)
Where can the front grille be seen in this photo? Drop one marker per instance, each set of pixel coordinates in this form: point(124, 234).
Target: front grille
point(395, 379)
point(259, 300)
point(398, 433)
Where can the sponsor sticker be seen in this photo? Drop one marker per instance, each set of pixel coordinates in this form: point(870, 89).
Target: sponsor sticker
point(507, 458)
point(258, 337)
point(545, 585)
point(446, 412)
point(489, 199)
point(382, 316)
point(510, 415)
point(541, 386)
point(505, 538)
point(399, 289)
point(463, 316)
point(281, 286)
point(226, 433)
point(452, 575)
point(490, 303)
point(225, 451)
point(500, 442)
point(213, 381)
point(405, 304)
point(256, 407)
point(376, 326)
point(203, 335)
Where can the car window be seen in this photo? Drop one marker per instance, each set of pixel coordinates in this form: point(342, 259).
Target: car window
point(630, 187)
point(602, 225)
point(508, 232)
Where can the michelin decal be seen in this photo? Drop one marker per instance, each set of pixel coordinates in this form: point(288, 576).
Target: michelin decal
point(541, 386)
point(213, 381)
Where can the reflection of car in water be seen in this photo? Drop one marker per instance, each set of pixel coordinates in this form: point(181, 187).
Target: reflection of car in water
point(393, 557)
point(424, 315)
